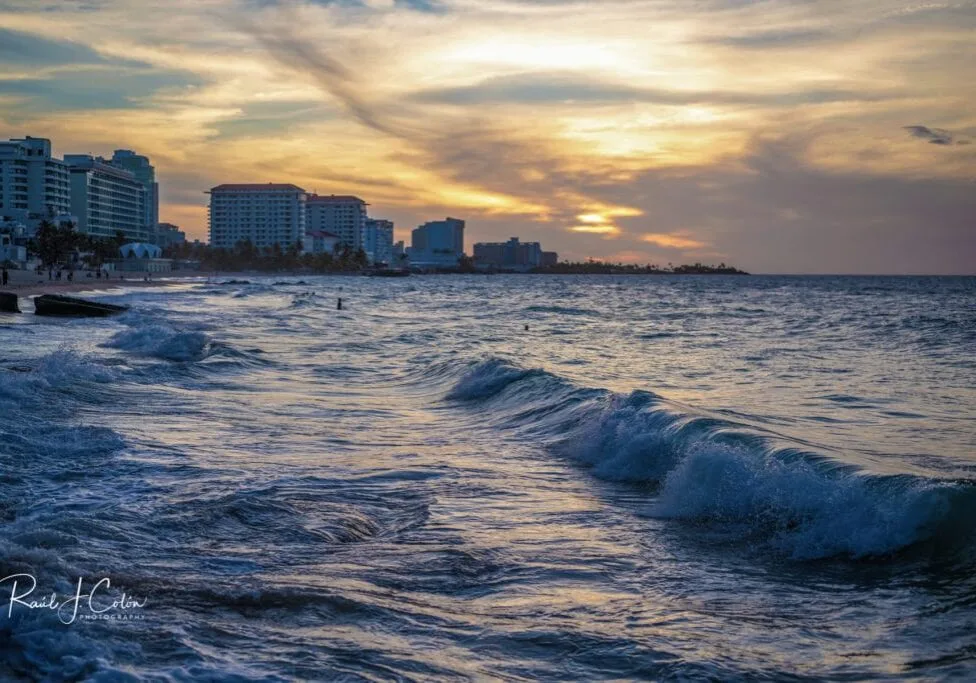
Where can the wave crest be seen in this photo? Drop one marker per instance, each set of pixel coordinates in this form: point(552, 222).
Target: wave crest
point(743, 482)
point(488, 379)
point(160, 341)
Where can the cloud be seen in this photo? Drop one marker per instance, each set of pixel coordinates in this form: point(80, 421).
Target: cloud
point(93, 87)
point(936, 136)
point(673, 241)
point(789, 37)
point(282, 41)
point(21, 47)
point(607, 230)
point(567, 87)
point(766, 126)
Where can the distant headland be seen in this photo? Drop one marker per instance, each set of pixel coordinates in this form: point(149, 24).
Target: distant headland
point(603, 268)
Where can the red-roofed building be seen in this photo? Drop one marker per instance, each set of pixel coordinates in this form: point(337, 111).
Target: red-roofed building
point(257, 187)
point(262, 214)
point(319, 242)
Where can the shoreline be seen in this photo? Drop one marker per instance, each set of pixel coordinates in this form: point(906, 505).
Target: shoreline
point(23, 287)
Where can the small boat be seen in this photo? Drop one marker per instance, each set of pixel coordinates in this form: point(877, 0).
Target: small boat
point(56, 304)
point(388, 272)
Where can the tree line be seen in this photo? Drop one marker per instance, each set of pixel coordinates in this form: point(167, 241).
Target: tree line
point(57, 244)
point(246, 256)
point(592, 266)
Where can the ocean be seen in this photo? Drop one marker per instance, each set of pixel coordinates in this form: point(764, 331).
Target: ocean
point(493, 477)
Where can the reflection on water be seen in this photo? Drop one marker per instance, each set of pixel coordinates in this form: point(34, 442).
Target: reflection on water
point(662, 477)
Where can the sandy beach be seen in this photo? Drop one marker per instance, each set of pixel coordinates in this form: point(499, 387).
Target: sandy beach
point(28, 283)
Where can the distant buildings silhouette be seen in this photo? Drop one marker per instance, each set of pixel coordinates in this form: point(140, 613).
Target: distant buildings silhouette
point(104, 198)
point(100, 197)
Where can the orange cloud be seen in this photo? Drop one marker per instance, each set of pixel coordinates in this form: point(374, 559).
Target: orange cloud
point(628, 256)
point(567, 117)
point(672, 241)
point(608, 230)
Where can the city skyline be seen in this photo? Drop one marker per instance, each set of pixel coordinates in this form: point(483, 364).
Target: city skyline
point(822, 137)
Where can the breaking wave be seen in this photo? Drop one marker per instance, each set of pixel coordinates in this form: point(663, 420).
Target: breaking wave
point(730, 477)
point(487, 380)
point(40, 382)
point(160, 341)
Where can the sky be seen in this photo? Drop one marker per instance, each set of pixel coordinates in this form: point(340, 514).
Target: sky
point(783, 136)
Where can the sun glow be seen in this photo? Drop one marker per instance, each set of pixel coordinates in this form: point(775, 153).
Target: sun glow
point(607, 230)
point(673, 241)
point(557, 120)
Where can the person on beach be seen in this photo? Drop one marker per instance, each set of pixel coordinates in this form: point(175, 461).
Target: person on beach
point(6, 277)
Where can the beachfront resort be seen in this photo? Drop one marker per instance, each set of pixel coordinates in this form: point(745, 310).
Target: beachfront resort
point(115, 201)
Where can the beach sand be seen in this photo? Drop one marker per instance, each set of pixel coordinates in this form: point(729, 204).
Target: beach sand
point(28, 283)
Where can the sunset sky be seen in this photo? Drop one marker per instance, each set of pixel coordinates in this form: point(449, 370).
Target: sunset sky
point(780, 136)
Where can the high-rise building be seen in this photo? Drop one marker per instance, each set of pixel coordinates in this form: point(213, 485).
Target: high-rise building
point(378, 244)
point(437, 244)
point(34, 186)
point(341, 215)
point(513, 254)
point(106, 199)
point(145, 173)
point(263, 215)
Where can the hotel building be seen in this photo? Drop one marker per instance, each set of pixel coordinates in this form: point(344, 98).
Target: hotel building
point(264, 215)
point(513, 255)
point(34, 186)
point(379, 240)
point(145, 173)
point(106, 199)
point(341, 215)
point(437, 244)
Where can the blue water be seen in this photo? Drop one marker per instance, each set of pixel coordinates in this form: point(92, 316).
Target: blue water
point(662, 477)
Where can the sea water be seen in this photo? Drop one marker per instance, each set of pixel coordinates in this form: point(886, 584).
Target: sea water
point(512, 477)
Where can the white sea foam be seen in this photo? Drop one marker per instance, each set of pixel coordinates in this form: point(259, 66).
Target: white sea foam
point(161, 341)
point(808, 505)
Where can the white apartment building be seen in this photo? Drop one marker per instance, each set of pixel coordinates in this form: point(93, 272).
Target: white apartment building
point(145, 173)
point(106, 199)
point(437, 244)
point(264, 215)
point(341, 215)
point(378, 243)
point(34, 186)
